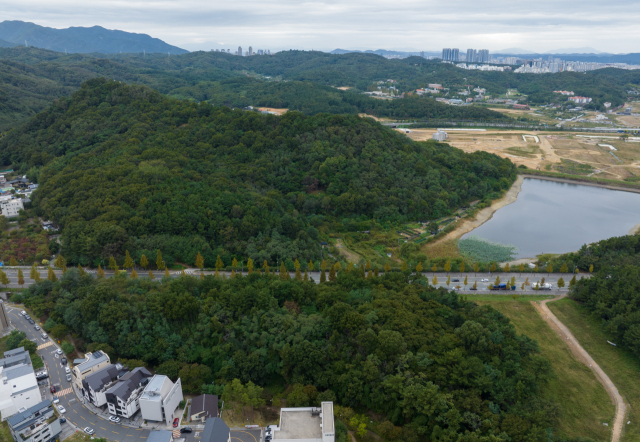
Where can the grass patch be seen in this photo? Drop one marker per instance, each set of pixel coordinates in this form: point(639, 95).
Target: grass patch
point(524, 151)
point(573, 167)
point(443, 249)
point(619, 364)
point(478, 249)
point(583, 400)
point(5, 434)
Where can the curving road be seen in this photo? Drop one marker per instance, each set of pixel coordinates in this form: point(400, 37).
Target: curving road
point(581, 354)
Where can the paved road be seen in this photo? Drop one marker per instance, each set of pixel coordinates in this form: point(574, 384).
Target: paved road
point(472, 277)
point(77, 414)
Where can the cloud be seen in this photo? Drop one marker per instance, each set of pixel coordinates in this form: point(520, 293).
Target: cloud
point(423, 25)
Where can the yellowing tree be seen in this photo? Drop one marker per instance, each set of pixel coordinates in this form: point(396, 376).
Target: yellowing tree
point(447, 266)
point(100, 273)
point(234, 263)
point(323, 265)
point(199, 261)
point(521, 268)
point(310, 265)
point(21, 277)
point(535, 269)
point(34, 274)
point(81, 270)
point(332, 273)
point(266, 267)
point(219, 263)
point(367, 267)
point(497, 283)
point(462, 267)
point(144, 262)
point(564, 268)
point(493, 267)
point(448, 279)
point(465, 280)
point(159, 260)
point(591, 268)
point(549, 268)
point(476, 267)
point(419, 268)
point(434, 281)
point(4, 279)
point(201, 275)
point(507, 268)
point(404, 267)
point(151, 275)
point(51, 276)
point(59, 262)
point(560, 283)
point(434, 268)
point(306, 277)
point(166, 273)
point(250, 266)
point(134, 274)
point(14, 262)
point(284, 275)
point(572, 281)
point(338, 266)
point(349, 267)
point(128, 261)
point(387, 267)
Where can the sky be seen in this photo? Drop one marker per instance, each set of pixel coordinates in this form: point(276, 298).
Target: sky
point(537, 26)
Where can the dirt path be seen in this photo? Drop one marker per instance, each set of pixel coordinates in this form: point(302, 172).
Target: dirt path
point(581, 354)
point(344, 251)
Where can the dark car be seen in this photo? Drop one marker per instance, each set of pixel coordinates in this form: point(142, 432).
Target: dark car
point(472, 288)
point(175, 422)
point(31, 321)
point(53, 389)
point(455, 280)
point(62, 420)
point(186, 430)
point(63, 361)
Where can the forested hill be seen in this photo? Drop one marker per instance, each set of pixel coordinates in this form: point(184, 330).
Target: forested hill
point(124, 167)
point(31, 79)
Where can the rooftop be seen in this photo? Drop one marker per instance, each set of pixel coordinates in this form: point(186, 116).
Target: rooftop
point(154, 389)
point(28, 414)
point(298, 423)
point(205, 402)
point(92, 359)
point(128, 383)
point(101, 378)
point(215, 430)
point(160, 436)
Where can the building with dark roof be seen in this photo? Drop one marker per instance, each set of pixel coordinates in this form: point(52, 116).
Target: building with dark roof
point(93, 386)
point(215, 430)
point(38, 423)
point(91, 363)
point(123, 396)
point(160, 436)
point(203, 407)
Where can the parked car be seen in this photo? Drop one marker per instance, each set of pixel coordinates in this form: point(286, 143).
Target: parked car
point(23, 313)
point(115, 419)
point(41, 375)
point(88, 430)
point(56, 401)
point(27, 317)
point(44, 335)
point(455, 280)
point(63, 361)
point(53, 389)
point(61, 409)
point(66, 370)
point(37, 327)
point(62, 420)
point(31, 321)
point(69, 377)
point(176, 421)
point(59, 351)
point(186, 430)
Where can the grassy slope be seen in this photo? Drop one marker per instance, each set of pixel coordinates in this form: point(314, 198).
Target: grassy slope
point(584, 402)
point(620, 365)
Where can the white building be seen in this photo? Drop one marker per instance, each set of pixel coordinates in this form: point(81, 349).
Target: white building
point(160, 399)
point(123, 396)
point(92, 363)
point(440, 135)
point(306, 424)
point(11, 207)
point(18, 385)
point(39, 423)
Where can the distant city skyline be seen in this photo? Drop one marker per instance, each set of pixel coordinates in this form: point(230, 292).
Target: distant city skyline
point(539, 27)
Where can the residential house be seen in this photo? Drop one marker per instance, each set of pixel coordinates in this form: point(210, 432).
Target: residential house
point(215, 430)
point(12, 207)
point(93, 386)
point(123, 397)
point(160, 399)
point(38, 423)
point(18, 385)
point(91, 363)
point(160, 436)
point(203, 407)
point(20, 183)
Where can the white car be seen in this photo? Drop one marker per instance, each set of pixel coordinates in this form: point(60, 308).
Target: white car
point(114, 419)
point(56, 401)
point(484, 280)
point(89, 430)
point(66, 370)
point(23, 313)
point(61, 409)
point(59, 351)
point(37, 327)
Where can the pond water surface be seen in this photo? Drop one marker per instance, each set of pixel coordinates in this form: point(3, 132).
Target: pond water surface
point(553, 217)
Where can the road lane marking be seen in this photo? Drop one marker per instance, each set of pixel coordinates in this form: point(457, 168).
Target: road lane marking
point(115, 432)
point(103, 429)
point(82, 417)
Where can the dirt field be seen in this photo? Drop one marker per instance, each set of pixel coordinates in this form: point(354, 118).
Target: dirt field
point(273, 109)
point(573, 153)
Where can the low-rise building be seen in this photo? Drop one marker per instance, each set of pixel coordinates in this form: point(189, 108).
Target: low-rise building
point(580, 100)
point(12, 207)
point(91, 363)
point(203, 407)
point(308, 424)
point(18, 385)
point(93, 386)
point(440, 135)
point(160, 399)
point(215, 430)
point(38, 423)
point(123, 396)
point(160, 436)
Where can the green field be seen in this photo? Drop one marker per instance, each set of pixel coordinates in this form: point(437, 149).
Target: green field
point(620, 365)
point(478, 249)
point(584, 403)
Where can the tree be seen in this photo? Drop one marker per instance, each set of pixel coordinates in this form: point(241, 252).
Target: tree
point(67, 347)
point(507, 268)
point(434, 268)
point(306, 276)
point(219, 263)
point(572, 281)
point(549, 268)
point(332, 273)
point(20, 278)
point(475, 285)
point(462, 267)
point(34, 274)
point(448, 280)
point(265, 266)
point(64, 269)
point(144, 262)
point(250, 266)
point(521, 268)
point(476, 268)
point(404, 266)
point(447, 266)
point(338, 266)
point(81, 270)
point(513, 281)
point(535, 269)
point(4, 280)
point(434, 281)
point(591, 268)
point(418, 268)
point(493, 267)
point(234, 263)
point(296, 264)
point(134, 274)
point(367, 266)
point(113, 265)
point(387, 267)
point(14, 262)
point(160, 261)
point(284, 274)
point(14, 339)
point(100, 273)
point(465, 281)
point(166, 273)
point(29, 345)
point(59, 262)
point(151, 275)
point(560, 283)
point(323, 276)
point(323, 265)
point(564, 268)
point(51, 276)
point(497, 283)
point(310, 266)
point(128, 261)
point(201, 275)
point(376, 272)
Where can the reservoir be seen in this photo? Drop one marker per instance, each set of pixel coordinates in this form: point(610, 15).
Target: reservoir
point(553, 217)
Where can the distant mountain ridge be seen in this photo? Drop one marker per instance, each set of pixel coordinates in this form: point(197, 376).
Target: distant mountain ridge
point(82, 40)
point(382, 52)
point(7, 44)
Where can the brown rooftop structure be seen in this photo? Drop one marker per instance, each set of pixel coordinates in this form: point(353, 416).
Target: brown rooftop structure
point(203, 407)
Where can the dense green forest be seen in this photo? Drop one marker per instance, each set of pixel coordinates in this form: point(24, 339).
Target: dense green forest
point(612, 293)
point(30, 78)
point(425, 360)
point(125, 168)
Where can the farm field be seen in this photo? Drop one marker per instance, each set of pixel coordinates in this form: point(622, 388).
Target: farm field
point(584, 403)
point(619, 364)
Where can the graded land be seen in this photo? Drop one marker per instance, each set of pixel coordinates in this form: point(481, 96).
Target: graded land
point(583, 400)
point(619, 364)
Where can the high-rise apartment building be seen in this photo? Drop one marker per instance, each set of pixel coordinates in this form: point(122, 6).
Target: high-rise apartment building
point(472, 56)
point(239, 51)
point(483, 56)
point(250, 50)
point(450, 54)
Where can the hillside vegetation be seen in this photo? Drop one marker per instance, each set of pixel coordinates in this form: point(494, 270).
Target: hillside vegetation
point(124, 167)
point(428, 364)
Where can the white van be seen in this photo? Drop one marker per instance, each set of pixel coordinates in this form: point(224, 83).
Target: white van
point(44, 336)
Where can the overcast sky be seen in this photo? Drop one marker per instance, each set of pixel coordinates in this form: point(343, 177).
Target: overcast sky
point(540, 25)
